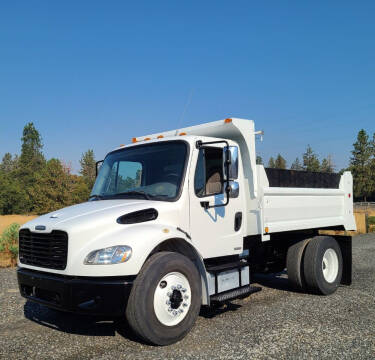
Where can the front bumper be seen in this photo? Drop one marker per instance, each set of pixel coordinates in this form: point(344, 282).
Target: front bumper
point(86, 295)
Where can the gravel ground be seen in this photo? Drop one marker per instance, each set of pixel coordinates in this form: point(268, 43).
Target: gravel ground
point(275, 323)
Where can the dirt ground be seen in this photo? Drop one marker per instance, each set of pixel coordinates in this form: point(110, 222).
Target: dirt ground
point(275, 323)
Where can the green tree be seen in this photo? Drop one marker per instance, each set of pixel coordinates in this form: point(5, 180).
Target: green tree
point(271, 163)
point(12, 195)
point(31, 151)
point(53, 188)
point(360, 165)
point(372, 167)
point(296, 165)
point(327, 165)
point(280, 162)
point(310, 160)
point(259, 160)
point(31, 164)
point(88, 165)
point(8, 163)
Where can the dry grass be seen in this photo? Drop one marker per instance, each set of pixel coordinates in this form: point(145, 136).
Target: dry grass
point(6, 258)
point(6, 220)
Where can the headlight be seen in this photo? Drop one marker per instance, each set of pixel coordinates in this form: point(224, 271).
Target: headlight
point(110, 255)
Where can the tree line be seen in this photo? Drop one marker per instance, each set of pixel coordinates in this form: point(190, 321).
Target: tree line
point(30, 184)
point(361, 165)
point(310, 162)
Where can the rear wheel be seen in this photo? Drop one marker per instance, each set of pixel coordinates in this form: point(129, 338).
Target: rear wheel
point(323, 265)
point(294, 264)
point(165, 299)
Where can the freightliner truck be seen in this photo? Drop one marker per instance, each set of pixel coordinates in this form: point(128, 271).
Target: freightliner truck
point(182, 219)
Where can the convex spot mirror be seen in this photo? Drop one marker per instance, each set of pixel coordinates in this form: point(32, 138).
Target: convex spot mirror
point(98, 166)
point(234, 189)
point(230, 156)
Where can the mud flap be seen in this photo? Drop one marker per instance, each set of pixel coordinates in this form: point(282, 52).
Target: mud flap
point(345, 243)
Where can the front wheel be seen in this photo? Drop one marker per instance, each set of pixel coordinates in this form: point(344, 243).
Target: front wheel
point(323, 265)
point(165, 299)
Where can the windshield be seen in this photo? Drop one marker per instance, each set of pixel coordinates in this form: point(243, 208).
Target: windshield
point(153, 171)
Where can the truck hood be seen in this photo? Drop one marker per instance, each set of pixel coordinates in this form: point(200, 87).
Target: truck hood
point(91, 210)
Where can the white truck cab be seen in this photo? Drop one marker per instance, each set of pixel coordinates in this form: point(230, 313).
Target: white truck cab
point(182, 219)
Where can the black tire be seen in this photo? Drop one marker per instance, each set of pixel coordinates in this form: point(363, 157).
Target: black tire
point(140, 311)
point(294, 264)
point(313, 268)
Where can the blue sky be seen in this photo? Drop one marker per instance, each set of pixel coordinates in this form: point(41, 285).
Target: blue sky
point(93, 74)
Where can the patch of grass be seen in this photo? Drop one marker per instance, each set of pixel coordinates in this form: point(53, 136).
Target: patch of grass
point(371, 220)
point(9, 240)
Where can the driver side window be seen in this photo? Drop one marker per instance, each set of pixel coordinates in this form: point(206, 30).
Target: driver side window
point(208, 178)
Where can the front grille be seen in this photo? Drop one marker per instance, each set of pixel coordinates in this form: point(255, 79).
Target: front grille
point(44, 250)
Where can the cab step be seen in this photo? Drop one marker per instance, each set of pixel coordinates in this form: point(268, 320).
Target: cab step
point(235, 293)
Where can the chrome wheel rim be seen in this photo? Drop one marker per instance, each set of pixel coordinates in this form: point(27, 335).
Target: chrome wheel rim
point(172, 299)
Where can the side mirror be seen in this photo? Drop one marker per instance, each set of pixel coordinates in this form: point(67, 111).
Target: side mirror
point(234, 191)
point(98, 166)
point(231, 158)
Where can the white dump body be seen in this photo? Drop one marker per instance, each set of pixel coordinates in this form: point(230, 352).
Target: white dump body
point(285, 209)
point(277, 209)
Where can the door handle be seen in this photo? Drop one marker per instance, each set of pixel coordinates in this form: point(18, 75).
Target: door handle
point(237, 221)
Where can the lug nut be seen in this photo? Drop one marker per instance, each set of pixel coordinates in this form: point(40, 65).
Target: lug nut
point(168, 302)
point(183, 290)
point(179, 287)
point(174, 313)
point(169, 309)
point(186, 297)
point(184, 304)
point(169, 294)
point(173, 287)
point(181, 310)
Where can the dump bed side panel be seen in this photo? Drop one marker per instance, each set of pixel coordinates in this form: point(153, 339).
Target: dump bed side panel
point(296, 208)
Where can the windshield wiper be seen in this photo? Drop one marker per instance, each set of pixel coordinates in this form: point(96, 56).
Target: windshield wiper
point(135, 192)
point(96, 197)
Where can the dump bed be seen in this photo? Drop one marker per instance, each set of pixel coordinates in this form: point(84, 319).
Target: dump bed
point(289, 204)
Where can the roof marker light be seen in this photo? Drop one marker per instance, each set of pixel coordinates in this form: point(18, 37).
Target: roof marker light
point(122, 145)
point(227, 121)
point(266, 229)
point(182, 134)
point(134, 140)
point(160, 137)
point(147, 139)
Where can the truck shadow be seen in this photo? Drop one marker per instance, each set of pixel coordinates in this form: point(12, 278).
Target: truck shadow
point(277, 281)
point(88, 325)
point(78, 324)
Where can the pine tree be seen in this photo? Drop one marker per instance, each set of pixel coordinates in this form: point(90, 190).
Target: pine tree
point(296, 165)
point(327, 165)
point(360, 165)
point(88, 165)
point(8, 164)
point(310, 160)
point(259, 160)
point(372, 168)
point(271, 163)
point(280, 162)
point(31, 152)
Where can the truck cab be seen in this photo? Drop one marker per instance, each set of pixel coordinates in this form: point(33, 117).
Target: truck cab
point(179, 220)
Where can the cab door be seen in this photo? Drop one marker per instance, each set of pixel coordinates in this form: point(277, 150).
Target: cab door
point(215, 231)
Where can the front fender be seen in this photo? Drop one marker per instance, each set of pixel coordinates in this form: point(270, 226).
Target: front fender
point(142, 238)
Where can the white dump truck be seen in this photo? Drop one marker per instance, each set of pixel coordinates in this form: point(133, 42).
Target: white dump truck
point(182, 219)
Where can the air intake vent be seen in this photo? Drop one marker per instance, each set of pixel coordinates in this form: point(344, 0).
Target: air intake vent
point(44, 250)
point(138, 216)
